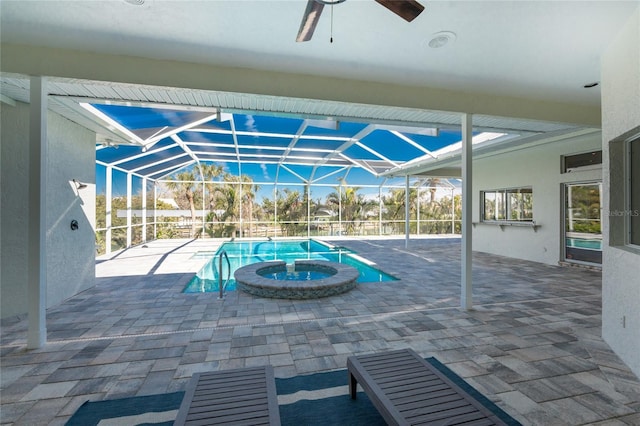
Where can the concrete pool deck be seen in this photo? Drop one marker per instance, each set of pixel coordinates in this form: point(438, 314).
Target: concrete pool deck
point(531, 344)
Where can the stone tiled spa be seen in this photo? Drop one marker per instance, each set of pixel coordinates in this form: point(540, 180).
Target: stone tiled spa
point(531, 344)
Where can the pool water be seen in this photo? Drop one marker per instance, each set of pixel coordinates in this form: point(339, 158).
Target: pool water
point(243, 253)
point(296, 275)
point(584, 243)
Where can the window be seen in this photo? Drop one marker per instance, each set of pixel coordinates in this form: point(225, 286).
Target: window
point(508, 205)
point(624, 196)
point(634, 191)
point(585, 161)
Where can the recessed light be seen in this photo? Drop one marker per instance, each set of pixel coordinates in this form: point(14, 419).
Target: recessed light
point(135, 2)
point(441, 39)
point(590, 85)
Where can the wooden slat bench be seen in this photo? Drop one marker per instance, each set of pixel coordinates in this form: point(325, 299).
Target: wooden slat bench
point(245, 396)
point(407, 390)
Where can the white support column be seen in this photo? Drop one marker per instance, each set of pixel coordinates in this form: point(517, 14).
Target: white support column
point(129, 177)
point(37, 227)
point(155, 210)
point(406, 213)
point(309, 210)
point(340, 209)
point(466, 294)
point(418, 210)
point(204, 208)
point(275, 210)
point(380, 210)
point(107, 202)
point(240, 207)
point(144, 209)
point(453, 213)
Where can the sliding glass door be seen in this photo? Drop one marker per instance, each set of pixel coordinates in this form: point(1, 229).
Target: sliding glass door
point(582, 232)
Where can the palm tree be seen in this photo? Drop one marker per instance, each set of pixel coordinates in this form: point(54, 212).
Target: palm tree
point(236, 194)
point(433, 183)
point(247, 200)
point(395, 204)
point(354, 206)
point(291, 210)
point(184, 185)
point(210, 172)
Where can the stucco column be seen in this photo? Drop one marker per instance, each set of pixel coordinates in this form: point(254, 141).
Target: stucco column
point(144, 210)
point(406, 213)
point(108, 190)
point(129, 184)
point(466, 294)
point(37, 236)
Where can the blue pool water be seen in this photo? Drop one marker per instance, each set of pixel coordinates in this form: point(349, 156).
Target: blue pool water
point(296, 275)
point(583, 243)
point(243, 253)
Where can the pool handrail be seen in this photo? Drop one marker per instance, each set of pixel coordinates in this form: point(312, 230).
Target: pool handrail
point(220, 285)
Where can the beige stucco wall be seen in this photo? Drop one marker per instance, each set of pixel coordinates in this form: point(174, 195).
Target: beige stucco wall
point(70, 254)
point(537, 167)
point(621, 267)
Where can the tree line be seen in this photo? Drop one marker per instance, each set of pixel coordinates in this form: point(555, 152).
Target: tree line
point(226, 198)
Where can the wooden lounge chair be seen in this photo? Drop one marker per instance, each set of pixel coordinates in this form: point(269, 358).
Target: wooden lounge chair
point(407, 390)
point(245, 396)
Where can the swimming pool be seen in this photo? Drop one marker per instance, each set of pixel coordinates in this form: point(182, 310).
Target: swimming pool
point(242, 253)
point(585, 243)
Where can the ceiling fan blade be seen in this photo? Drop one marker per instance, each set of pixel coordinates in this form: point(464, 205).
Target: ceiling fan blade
point(406, 9)
point(309, 20)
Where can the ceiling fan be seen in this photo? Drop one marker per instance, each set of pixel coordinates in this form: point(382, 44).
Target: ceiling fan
point(406, 9)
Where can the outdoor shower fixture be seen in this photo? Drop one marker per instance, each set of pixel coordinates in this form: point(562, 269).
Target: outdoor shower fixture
point(79, 185)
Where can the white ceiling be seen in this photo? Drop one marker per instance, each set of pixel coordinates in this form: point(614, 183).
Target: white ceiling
point(544, 50)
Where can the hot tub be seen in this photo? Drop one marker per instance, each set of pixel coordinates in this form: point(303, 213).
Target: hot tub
point(304, 279)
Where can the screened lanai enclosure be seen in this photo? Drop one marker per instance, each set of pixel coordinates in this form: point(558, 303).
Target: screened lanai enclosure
point(200, 174)
point(186, 169)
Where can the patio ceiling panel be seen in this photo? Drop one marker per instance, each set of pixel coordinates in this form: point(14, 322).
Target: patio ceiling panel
point(334, 128)
point(16, 87)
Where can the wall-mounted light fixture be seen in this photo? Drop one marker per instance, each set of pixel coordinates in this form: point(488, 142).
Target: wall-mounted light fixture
point(79, 185)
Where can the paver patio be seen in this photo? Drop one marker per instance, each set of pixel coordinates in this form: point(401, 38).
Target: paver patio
point(531, 344)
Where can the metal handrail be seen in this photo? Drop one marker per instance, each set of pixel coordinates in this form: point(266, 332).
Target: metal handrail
point(222, 287)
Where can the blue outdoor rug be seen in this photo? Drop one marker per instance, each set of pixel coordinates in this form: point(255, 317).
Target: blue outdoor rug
point(315, 399)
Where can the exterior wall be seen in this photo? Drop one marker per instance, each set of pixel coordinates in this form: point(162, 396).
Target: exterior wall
point(14, 140)
point(70, 254)
point(537, 167)
point(620, 114)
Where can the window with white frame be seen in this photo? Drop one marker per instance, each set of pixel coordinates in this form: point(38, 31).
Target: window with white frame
point(507, 205)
